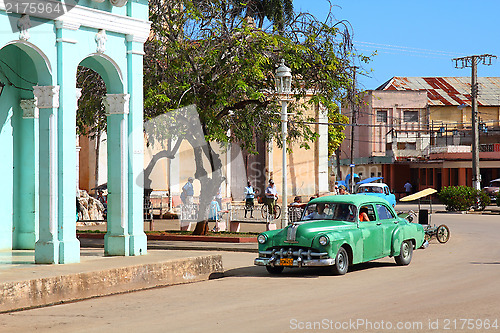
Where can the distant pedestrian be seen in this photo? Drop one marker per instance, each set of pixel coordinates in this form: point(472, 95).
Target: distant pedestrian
point(342, 190)
point(188, 192)
point(249, 196)
point(296, 202)
point(408, 188)
point(271, 197)
point(218, 197)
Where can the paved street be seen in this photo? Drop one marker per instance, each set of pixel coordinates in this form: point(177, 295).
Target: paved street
point(443, 286)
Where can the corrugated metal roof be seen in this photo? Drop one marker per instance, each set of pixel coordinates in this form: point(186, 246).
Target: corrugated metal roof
point(449, 90)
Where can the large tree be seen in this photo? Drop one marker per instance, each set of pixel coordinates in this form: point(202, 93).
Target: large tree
point(276, 12)
point(91, 115)
point(205, 53)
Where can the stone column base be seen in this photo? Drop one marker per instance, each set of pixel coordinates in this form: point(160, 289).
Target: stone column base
point(116, 245)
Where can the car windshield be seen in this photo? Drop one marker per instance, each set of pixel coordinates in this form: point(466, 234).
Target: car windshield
point(495, 184)
point(370, 189)
point(329, 211)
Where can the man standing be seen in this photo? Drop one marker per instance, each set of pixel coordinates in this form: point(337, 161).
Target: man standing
point(249, 196)
point(271, 196)
point(408, 187)
point(188, 192)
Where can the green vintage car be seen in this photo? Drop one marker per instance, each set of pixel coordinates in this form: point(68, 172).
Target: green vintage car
point(338, 231)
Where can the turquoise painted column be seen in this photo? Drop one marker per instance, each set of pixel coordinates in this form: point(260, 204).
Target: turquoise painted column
point(69, 248)
point(116, 240)
point(138, 239)
point(47, 246)
point(26, 175)
point(8, 99)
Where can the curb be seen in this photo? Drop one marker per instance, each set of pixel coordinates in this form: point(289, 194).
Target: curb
point(189, 238)
point(21, 295)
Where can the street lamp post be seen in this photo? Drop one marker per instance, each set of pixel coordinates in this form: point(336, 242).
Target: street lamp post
point(284, 88)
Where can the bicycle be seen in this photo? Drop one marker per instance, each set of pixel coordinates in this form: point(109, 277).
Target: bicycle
point(441, 232)
point(265, 211)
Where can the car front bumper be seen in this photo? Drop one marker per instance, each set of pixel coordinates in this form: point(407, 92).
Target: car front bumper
point(296, 263)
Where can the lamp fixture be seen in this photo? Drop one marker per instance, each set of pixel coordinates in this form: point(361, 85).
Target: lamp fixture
point(283, 79)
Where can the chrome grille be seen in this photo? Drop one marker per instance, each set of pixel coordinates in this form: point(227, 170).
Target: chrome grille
point(297, 253)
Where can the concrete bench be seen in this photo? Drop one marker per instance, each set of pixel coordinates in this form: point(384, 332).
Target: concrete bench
point(234, 225)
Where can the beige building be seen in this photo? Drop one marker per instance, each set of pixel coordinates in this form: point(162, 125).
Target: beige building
point(419, 129)
point(307, 170)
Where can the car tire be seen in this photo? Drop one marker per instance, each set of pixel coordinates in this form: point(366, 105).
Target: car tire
point(405, 254)
point(341, 262)
point(274, 269)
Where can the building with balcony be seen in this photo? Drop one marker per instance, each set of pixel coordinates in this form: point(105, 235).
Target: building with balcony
point(419, 129)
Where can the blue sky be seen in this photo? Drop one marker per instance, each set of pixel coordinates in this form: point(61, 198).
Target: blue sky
point(417, 38)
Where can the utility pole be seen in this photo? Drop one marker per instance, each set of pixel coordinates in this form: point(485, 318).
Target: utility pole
point(472, 61)
point(353, 122)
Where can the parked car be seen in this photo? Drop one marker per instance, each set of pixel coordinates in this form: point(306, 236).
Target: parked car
point(380, 190)
point(492, 189)
point(331, 234)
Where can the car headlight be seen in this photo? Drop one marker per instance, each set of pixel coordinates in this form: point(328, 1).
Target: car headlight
point(262, 238)
point(323, 240)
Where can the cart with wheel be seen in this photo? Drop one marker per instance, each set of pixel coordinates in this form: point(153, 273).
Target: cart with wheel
point(441, 232)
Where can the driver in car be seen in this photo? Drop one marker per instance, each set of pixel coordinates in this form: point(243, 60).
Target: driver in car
point(319, 214)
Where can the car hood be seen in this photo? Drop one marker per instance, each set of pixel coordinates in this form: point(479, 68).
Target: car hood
point(302, 234)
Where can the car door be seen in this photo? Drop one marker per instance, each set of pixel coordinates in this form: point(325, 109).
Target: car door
point(388, 222)
point(372, 232)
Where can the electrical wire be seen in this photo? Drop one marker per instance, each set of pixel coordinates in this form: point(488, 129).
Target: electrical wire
point(13, 71)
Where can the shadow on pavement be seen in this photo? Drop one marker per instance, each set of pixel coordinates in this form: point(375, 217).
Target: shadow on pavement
point(260, 271)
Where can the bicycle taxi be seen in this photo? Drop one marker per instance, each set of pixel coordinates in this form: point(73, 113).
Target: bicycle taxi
point(441, 232)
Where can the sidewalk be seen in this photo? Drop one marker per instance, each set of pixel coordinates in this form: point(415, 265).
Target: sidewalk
point(24, 284)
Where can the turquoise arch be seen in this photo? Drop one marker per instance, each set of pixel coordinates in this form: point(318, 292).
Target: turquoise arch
point(50, 56)
point(108, 69)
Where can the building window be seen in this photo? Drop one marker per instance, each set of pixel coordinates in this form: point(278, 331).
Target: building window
point(410, 116)
point(411, 145)
point(401, 145)
point(381, 116)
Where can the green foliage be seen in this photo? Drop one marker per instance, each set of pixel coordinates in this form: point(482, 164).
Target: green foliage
point(90, 116)
point(335, 134)
point(462, 198)
point(205, 53)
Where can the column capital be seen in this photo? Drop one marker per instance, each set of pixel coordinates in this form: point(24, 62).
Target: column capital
point(46, 97)
point(116, 103)
point(30, 110)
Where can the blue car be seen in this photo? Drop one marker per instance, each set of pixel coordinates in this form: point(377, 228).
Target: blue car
point(380, 190)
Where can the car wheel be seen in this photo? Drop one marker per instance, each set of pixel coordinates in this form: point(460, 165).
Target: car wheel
point(442, 233)
point(274, 269)
point(341, 262)
point(405, 254)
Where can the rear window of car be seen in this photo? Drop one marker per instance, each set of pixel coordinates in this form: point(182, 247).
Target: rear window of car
point(370, 189)
point(495, 184)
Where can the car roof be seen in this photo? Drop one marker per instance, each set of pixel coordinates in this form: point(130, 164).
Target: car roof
point(495, 180)
point(355, 199)
point(373, 184)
